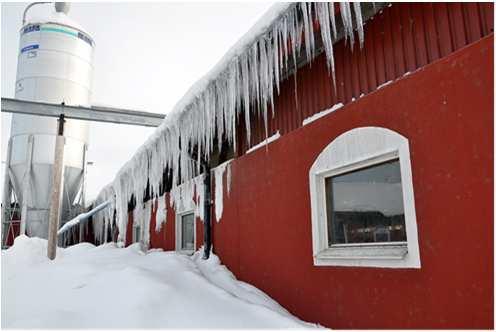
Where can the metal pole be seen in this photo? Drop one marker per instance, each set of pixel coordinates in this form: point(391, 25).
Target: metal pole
point(94, 113)
point(81, 217)
point(207, 239)
point(56, 193)
point(25, 185)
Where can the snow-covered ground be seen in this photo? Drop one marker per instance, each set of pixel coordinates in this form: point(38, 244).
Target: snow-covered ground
point(110, 287)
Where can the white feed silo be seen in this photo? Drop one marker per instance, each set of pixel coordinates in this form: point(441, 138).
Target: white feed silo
point(54, 66)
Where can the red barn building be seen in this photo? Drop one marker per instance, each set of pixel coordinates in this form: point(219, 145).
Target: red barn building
point(370, 205)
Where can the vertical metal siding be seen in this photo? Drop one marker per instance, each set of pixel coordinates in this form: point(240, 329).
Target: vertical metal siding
point(400, 39)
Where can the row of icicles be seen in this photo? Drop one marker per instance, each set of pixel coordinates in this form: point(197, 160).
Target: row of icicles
point(237, 87)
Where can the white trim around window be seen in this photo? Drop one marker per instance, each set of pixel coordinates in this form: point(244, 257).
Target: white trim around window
point(178, 224)
point(354, 150)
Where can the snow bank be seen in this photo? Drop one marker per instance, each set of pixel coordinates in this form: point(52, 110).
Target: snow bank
point(242, 84)
point(110, 288)
point(220, 276)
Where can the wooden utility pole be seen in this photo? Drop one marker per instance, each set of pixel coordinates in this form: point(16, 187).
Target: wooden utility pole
point(56, 194)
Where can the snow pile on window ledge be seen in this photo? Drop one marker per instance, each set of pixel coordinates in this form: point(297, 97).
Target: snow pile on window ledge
point(111, 288)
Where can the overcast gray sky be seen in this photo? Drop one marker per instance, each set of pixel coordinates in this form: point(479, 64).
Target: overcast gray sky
point(147, 55)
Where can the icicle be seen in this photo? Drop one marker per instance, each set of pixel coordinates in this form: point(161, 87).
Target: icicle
point(200, 196)
point(306, 25)
point(347, 22)
point(285, 40)
point(333, 19)
point(293, 31)
point(219, 190)
point(181, 197)
point(264, 78)
point(144, 222)
point(255, 93)
point(275, 40)
point(246, 94)
point(161, 215)
point(311, 39)
point(359, 22)
point(270, 75)
point(245, 81)
point(228, 179)
point(325, 30)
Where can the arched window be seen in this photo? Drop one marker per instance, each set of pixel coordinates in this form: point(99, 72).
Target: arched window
point(363, 209)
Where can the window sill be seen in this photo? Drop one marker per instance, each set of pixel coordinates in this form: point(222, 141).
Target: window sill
point(365, 252)
point(365, 255)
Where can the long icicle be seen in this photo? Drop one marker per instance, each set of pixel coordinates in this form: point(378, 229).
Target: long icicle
point(245, 81)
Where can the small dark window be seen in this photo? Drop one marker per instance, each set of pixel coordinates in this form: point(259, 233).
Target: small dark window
point(188, 231)
point(366, 205)
point(136, 233)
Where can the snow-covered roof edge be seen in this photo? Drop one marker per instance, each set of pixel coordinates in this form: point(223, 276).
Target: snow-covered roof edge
point(242, 82)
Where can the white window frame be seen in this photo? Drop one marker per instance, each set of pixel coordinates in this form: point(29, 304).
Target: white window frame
point(353, 150)
point(178, 223)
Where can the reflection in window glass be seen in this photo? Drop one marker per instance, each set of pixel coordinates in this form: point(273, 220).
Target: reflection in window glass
point(366, 205)
point(187, 232)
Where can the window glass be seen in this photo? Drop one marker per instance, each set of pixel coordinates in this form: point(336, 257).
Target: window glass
point(366, 205)
point(137, 232)
point(187, 232)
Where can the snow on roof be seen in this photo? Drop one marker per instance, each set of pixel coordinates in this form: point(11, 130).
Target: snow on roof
point(242, 83)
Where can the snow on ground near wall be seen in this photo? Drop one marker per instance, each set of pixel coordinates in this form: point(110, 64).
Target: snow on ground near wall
point(110, 287)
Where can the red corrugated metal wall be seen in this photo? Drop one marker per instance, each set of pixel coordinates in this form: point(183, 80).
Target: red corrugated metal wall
point(446, 112)
point(264, 236)
point(400, 39)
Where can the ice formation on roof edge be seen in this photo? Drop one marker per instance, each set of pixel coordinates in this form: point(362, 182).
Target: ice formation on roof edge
point(246, 76)
point(161, 216)
point(219, 189)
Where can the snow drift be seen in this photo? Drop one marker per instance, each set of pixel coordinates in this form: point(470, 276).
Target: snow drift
point(109, 287)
